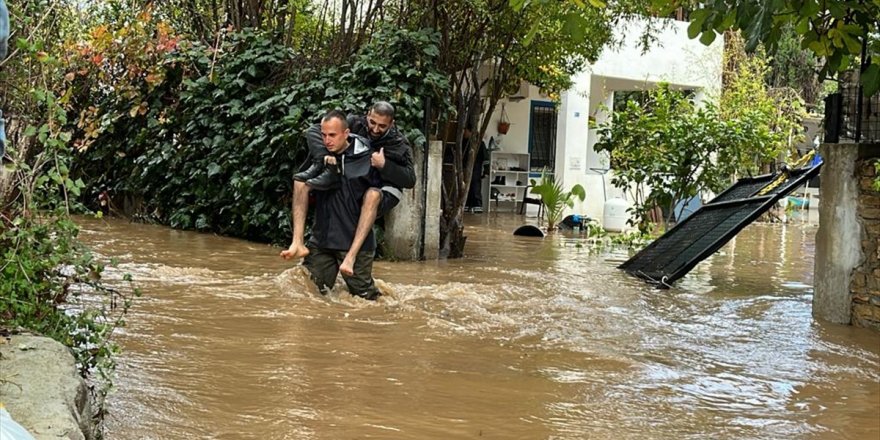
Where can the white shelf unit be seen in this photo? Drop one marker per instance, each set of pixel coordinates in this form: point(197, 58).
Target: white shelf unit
point(509, 175)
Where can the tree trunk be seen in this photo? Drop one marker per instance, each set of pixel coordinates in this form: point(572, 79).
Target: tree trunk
point(476, 111)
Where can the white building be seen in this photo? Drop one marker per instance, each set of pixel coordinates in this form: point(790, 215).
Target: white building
point(674, 59)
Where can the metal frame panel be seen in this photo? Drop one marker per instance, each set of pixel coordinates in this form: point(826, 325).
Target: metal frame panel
point(672, 255)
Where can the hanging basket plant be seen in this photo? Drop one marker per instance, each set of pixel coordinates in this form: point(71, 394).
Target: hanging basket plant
point(503, 122)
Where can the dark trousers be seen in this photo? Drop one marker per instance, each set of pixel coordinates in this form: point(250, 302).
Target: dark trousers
point(389, 201)
point(323, 266)
point(475, 193)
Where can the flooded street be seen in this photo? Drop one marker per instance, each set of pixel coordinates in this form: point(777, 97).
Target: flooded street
point(523, 339)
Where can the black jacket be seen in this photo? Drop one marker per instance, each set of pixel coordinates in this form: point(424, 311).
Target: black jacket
point(337, 210)
point(399, 170)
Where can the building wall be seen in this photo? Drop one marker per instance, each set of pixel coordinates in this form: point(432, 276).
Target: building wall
point(675, 59)
point(518, 113)
point(517, 138)
point(865, 285)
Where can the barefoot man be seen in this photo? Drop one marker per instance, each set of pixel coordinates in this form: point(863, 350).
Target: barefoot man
point(338, 213)
point(392, 157)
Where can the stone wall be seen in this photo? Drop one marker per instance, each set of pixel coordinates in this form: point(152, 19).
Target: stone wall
point(865, 287)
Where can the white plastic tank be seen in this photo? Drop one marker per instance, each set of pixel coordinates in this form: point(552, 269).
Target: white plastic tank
point(615, 215)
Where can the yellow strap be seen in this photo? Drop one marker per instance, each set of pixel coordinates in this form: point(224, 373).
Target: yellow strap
point(785, 174)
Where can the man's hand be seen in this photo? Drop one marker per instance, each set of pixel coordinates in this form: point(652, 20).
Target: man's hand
point(378, 159)
point(329, 160)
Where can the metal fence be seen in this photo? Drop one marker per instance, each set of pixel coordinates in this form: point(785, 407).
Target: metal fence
point(851, 116)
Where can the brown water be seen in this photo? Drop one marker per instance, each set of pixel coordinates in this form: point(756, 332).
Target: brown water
point(523, 339)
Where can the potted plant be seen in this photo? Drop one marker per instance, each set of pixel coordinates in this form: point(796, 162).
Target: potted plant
point(555, 199)
point(503, 122)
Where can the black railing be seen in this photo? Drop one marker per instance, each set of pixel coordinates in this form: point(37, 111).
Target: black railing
point(850, 116)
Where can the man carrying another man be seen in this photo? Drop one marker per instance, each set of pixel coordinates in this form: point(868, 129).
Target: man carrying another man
point(336, 176)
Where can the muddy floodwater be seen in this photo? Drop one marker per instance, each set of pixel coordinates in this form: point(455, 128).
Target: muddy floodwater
point(523, 339)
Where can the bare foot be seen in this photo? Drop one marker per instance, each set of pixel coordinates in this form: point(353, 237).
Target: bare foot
point(295, 252)
point(347, 266)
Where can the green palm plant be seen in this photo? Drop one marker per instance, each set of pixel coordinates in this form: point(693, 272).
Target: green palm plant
point(554, 198)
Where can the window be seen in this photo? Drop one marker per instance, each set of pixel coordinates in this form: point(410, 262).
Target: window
point(542, 136)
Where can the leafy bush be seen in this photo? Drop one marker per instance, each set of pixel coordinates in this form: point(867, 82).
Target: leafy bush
point(664, 151)
point(669, 149)
point(49, 282)
point(208, 139)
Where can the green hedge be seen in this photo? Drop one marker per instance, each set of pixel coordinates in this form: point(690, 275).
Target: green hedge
point(213, 145)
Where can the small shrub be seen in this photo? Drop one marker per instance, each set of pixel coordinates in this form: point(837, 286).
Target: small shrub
point(50, 283)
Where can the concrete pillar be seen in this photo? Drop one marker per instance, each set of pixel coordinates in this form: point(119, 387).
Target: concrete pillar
point(417, 214)
point(434, 185)
point(838, 240)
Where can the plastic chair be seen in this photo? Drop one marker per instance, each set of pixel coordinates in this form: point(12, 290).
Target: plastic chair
point(530, 201)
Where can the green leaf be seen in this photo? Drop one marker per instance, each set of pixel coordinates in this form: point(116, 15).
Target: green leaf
point(708, 37)
point(852, 45)
point(870, 79)
point(803, 26)
point(575, 25)
point(758, 23)
point(579, 192)
point(817, 48)
point(694, 29)
point(213, 169)
point(836, 9)
point(71, 186)
point(30, 131)
point(22, 44)
point(527, 41)
point(810, 8)
point(517, 5)
point(698, 17)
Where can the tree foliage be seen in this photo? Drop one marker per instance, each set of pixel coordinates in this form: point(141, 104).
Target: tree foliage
point(207, 137)
point(835, 31)
point(771, 117)
point(487, 48)
point(661, 151)
point(318, 28)
point(49, 282)
point(795, 68)
point(667, 149)
point(193, 86)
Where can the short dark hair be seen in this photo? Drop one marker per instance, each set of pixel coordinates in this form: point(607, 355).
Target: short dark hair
point(383, 108)
point(336, 114)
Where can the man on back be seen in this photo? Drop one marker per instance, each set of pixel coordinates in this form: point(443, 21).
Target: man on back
point(338, 212)
point(392, 158)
